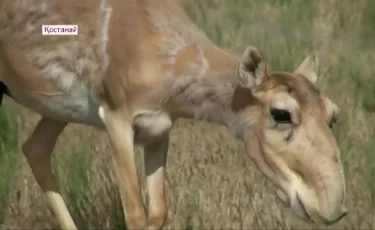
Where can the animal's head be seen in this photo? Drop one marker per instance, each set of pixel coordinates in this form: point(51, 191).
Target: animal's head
point(291, 141)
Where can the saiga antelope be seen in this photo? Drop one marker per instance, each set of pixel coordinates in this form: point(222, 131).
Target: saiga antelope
point(138, 65)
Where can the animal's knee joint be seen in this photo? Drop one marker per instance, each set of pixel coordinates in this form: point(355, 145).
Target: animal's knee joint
point(157, 219)
point(136, 220)
point(151, 125)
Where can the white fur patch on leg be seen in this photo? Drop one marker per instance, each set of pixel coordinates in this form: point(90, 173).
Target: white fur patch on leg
point(101, 113)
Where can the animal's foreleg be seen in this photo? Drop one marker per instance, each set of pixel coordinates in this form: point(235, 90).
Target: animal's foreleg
point(155, 155)
point(121, 135)
point(38, 149)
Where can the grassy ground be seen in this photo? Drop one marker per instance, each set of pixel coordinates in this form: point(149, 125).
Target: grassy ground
point(212, 183)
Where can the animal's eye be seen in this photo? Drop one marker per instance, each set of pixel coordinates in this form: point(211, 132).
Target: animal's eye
point(281, 116)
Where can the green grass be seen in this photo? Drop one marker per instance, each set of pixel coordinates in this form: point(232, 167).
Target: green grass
point(8, 156)
point(211, 183)
point(81, 186)
point(74, 171)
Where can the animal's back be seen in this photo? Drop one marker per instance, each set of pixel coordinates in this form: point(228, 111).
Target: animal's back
point(53, 74)
point(50, 74)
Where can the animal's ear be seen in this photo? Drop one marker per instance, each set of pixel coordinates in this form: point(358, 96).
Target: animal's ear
point(308, 68)
point(242, 97)
point(252, 69)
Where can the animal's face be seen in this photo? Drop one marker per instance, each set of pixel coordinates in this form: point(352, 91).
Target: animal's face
point(291, 142)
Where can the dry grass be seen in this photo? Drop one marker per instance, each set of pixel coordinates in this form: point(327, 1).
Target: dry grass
point(212, 183)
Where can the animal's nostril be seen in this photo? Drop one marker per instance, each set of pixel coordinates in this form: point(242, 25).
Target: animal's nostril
point(344, 209)
point(336, 159)
point(340, 217)
point(343, 214)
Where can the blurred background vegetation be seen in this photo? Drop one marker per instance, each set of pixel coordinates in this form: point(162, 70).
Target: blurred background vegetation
point(212, 183)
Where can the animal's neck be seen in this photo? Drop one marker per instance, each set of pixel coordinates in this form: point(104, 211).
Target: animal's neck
point(204, 99)
point(220, 62)
point(209, 98)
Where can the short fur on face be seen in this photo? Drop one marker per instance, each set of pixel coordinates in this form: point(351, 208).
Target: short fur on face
point(297, 153)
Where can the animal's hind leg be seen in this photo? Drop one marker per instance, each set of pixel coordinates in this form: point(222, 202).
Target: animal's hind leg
point(38, 149)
